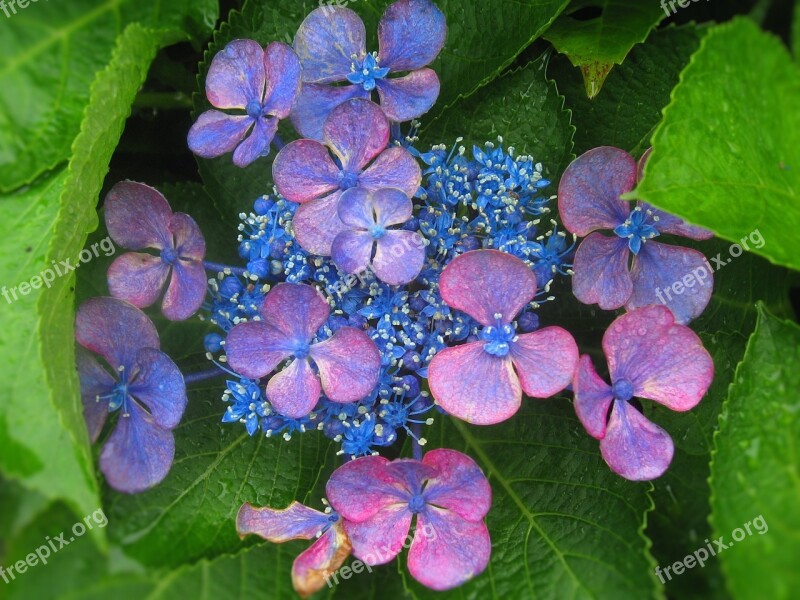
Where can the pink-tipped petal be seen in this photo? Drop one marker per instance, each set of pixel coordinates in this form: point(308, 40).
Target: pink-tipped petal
point(216, 133)
point(668, 223)
point(257, 144)
point(409, 97)
point(298, 310)
point(296, 522)
point(593, 398)
point(137, 216)
point(316, 101)
point(283, 71)
point(447, 550)
point(357, 131)
point(255, 348)
point(485, 283)
point(399, 257)
point(303, 171)
point(392, 206)
point(316, 224)
point(545, 361)
point(664, 361)
point(459, 484)
point(326, 41)
point(633, 446)
point(186, 291)
point(362, 488)
point(352, 250)
point(236, 75)
point(377, 540)
point(349, 364)
point(601, 271)
point(588, 196)
point(137, 278)
point(188, 239)
point(394, 168)
point(355, 208)
point(473, 385)
point(313, 568)
point(95, 381)
point(295, 391)
point(411, 34)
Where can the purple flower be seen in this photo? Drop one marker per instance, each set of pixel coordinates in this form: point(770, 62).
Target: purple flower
point(331, 44)
point(649, 356)
point(348, 363)
point(312, 568)
point(589, 200)
point(261, 84)
point(482, 382)
point(138, 217)
point(395, 255)
point(446, 491)
point(141, 383)
point(357, 133)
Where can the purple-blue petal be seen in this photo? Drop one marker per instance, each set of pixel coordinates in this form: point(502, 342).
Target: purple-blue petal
point(355, 208)
point(409, 97)
point(411, 34)
point(357, 131)
point(236, 75)
point(159, 386)
point(399, 256)
point(667, 223)
point(257, 143)
point(283, 79)
point(95, 381)
point(352, 250)
point(304, 170)
point(189, 241)
point(137, 216)
point(255, 348)
point(593, 398)
point(601, 273)
point(186, 291)
point(216, 133)
point(138, 278)
point(325, 42)
point(316, 101)
point(392, 206)
point(296, 522)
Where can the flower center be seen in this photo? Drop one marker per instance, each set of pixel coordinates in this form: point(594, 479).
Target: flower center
point(497, 339)
point(622, 390)
point(377, 231)
point(416, 504)
point(169, 256)
point(254, 109)
point(347, 180)
point(637, 229)
point(366, 72)
point(301, 350)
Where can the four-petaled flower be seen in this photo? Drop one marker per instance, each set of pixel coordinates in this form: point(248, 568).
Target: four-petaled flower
point(447, 492)
point(649, 356)
point(146, 388)
point(482, 382)
point(348, 362)
point(356, 132)
point(137, 217)
point(331, 44)
point(588, 201)
point(314, 566)
point(262, 84)
point(396, 255)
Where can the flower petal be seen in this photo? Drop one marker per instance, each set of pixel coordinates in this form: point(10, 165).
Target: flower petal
point(159, 386)
point(483, 283)
point(295, 391)
point(634, 447)
point(357, 131)
point(139, 453)
point(95, 381)
point(186, 291)
point(588, 196)
point(137, 216)
point(601, 273)
point(316, 224)
point(236, 75)
point(377, 540)
point(283, 71)
point(257, 144)
point(355, 208)
point(392, 206)
point(316, 101)
point(313, 567)
point(459, 486)
point(296, 522)
point(447, 550)
point(411, 34)
point(303, 170)
point(362, 488)
point(399, 256)
point(668, 223)
point(349, 364)
point(474, 386)
point(215, 133)
point(255, 348)
point(409, 97)
point(297, 309)
point(664, 361)
point(394, 168)
point(188, 239)
point(325, 42)
point(137, 278)
point(545, 361)
point(592, 398)
point(660, 270)
point(352, 250)
point(114, 329)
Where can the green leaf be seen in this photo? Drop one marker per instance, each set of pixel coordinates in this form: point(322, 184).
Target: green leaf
point(49, 55)
point(796, 31)
point(598, 43)
point(522, 107)
point(756, 466)
point(726, 154)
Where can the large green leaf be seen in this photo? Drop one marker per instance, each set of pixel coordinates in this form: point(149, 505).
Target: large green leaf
point(756, 466)
point(726, 154)
point(597, 43)
point(49, 55)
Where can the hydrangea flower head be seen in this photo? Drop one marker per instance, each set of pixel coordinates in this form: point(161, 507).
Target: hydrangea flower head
point(318, 562)
point(589, 201)
point(261, 84)
point(146, 389)
point(348, 363)
point(649, 356)
point(138, 217)
point(331, 44)
point(357, 133)
point(481, 382)
point(448, 494)
point(396, 255)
